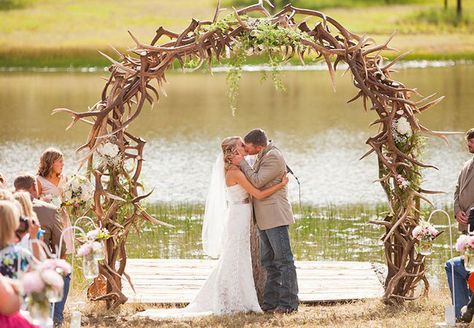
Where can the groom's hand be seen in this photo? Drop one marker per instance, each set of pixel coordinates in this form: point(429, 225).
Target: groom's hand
point(237, 159)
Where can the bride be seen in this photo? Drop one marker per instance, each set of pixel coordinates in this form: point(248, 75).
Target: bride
point(230, 287)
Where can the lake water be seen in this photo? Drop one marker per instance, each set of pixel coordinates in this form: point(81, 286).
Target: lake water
point(321, 136)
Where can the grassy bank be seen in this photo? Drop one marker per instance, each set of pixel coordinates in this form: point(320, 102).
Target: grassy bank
point(369, 313)
point(63, 33)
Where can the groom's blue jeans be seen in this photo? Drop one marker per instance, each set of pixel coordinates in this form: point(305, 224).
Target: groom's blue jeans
point(461, 290)
point(281, 288)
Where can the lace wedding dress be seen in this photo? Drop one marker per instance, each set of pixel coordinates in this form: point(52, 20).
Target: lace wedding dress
point(230, 287)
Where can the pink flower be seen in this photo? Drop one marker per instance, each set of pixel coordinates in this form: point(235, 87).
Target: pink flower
point(432, 230)
point(32, 282)
point(64, 266)
point(85, 249)
point(48, 264)
point(52, 278)
point(59, 265)
point(416, 232)
point(461, 243)
point(470, 241)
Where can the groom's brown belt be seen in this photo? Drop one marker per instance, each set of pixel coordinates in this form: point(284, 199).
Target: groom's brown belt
point(243, 201)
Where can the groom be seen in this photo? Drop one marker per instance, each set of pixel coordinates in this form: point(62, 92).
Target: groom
point(273, 215)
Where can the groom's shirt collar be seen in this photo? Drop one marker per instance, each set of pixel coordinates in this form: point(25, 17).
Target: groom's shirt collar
point(265, 150)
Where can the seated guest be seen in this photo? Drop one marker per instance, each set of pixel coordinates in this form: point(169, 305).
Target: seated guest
point(10, 303)
point(463, 201)
point(29, 225)
point(467, 313)
point(13, 258)
point(50, 221)
point(6, 195)
point(47, 214)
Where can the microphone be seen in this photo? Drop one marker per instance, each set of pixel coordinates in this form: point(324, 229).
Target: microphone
point(292, 173)
point(299, 187)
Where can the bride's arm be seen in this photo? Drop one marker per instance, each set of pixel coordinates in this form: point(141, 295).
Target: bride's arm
point(259, 194)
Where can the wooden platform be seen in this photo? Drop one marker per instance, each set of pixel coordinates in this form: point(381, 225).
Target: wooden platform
point(177, 280)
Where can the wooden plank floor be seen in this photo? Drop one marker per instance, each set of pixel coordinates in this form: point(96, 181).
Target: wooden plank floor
point(178, 280)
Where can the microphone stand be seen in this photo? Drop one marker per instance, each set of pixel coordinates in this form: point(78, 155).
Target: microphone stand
point(299, 187)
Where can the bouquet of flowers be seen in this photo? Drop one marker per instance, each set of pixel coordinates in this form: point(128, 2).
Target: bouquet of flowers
point(77, 191)
point(425, 232)
point(465, 245)
point(44, 285)
point(52, 199)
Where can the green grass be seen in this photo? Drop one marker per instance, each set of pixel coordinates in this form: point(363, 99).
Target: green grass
point(64, 33)
point(322, 4)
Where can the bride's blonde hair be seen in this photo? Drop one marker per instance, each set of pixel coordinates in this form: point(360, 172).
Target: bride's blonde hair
point(228, 146)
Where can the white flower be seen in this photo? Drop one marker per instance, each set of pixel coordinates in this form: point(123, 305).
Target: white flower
point(108, 149)
point(96, 246)
point(85, 249)
point(68, 194)
point(75, 183)
point(402, 182)
point(56, 201)
point(403, 127)
point(92, 235)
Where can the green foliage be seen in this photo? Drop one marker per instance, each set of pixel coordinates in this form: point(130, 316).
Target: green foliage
point(438, 19)
point(14, 4)
point(412, 147)
point(264, 39)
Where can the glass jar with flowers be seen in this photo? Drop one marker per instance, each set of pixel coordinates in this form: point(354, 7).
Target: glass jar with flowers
point(425, 233)
point(465, 245)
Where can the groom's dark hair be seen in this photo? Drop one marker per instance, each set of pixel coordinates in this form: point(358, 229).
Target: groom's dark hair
point(256, 137)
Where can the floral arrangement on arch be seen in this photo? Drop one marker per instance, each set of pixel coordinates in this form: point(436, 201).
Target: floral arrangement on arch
point(109, 153)
point(401, 130)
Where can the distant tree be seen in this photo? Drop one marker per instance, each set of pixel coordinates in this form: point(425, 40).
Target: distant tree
point(445, 4)
point(459, 8)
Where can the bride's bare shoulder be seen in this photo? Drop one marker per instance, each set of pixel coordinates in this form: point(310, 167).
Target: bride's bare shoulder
point(233, 172)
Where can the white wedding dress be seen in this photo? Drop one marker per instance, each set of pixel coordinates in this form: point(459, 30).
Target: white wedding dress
point(230, 287)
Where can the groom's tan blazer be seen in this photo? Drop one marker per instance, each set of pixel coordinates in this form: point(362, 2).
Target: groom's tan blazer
point(275, 210)
point(464, 194)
